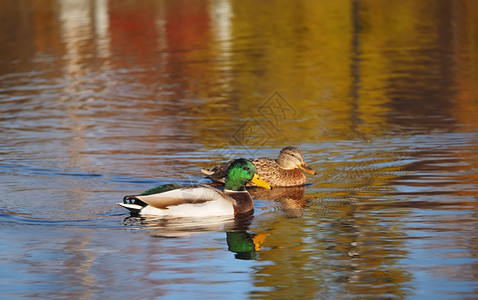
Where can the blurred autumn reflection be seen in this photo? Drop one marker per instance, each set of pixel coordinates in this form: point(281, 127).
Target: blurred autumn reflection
point(100, 97)
point(347, 67)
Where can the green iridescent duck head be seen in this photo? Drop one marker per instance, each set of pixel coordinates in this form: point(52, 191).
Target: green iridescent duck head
point(239, 173)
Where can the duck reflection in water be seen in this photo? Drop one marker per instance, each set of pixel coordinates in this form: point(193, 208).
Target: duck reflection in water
point(240, 240)
point(291, 199)
point(245, 244)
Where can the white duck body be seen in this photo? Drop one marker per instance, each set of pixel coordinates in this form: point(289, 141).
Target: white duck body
point(194, 201)
point(200, 200)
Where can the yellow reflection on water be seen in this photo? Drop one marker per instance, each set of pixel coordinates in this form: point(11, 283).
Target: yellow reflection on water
point(340, 65)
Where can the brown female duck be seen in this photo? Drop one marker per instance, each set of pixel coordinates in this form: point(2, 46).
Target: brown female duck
point(286, 170)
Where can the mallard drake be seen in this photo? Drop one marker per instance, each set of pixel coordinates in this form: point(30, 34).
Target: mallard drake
point(200, 200)
point(283, 171)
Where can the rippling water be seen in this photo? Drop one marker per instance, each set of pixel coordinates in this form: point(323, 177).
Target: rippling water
point(100, 99)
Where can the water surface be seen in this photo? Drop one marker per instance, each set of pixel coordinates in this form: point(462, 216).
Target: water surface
point(101, 99)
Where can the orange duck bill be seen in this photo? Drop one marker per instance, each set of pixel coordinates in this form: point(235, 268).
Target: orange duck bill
point(304, 167)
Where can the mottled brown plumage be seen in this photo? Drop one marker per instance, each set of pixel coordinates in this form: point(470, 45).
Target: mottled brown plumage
point(283, 171)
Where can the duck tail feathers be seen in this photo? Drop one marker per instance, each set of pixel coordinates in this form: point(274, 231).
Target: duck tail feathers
point(207, 172)
point(217, 173)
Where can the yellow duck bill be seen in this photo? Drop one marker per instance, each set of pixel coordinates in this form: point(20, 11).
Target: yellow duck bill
point(259, 182)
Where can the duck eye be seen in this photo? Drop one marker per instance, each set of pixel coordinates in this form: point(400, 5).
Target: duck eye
point(246, 168)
